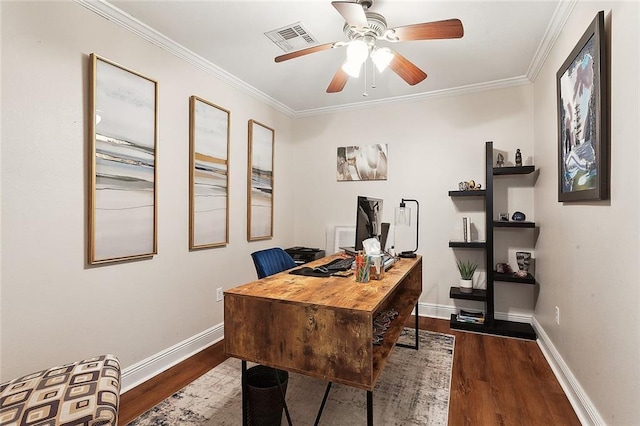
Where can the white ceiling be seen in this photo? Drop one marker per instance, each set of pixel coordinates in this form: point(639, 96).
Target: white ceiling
point(503, 43)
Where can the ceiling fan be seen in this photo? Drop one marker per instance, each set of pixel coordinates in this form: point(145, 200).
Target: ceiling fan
point(363, 29)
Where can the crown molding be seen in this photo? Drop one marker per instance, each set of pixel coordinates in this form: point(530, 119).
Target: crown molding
point(558, 21)
point(120, 17)
point(112, 13)
point(454, 91)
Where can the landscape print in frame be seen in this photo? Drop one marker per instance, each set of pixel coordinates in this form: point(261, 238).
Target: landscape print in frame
point(209, 163)
point(123, 175)
point(583, 145)
point(260, 182)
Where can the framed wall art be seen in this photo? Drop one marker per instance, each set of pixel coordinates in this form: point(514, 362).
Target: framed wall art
point(122, 164)
point(364, 162)
point(260, 182)
point(208, 179)
point(583, 124)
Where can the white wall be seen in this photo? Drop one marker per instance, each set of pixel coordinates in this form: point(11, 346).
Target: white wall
point(55, 309)
point(588, 252)
point(433, 145)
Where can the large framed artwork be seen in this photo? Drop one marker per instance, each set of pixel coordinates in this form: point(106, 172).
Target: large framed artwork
point(122, 164)
point(583, 143)
point(364, 162)
point(260, 182)
point(209, 171)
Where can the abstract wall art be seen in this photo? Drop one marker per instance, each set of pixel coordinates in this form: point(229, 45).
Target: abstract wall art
point(583, 142)
point(364, 162)
point(209, 171)
point(123, 174)
point(260, 182)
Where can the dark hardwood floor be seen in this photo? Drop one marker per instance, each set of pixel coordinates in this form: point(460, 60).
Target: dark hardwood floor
point(495, 381)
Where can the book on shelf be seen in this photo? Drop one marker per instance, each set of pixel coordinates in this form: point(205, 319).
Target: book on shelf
point(471, 317)
point(466, 229)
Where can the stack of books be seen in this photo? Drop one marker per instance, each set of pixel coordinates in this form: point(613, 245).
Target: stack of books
point(472, 317)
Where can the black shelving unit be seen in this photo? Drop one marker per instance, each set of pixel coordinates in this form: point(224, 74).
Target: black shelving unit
point(513, 224)
point(476, 294)
point(469, 193)
point(491, 324)
point(467, 244)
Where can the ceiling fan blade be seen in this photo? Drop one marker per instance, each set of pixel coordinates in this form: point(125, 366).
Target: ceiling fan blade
point(450, 28)
point(406, 69)
point(338, 82)
point(352, 12)
point(303, 52)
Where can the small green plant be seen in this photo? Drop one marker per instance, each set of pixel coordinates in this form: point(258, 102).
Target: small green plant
point(467, 269)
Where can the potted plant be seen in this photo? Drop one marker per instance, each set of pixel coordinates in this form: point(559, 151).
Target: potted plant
point(467, 269)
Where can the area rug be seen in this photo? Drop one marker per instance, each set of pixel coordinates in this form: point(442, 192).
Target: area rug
point(413, 389)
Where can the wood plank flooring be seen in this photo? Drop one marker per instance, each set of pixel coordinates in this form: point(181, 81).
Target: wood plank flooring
point(495, 381)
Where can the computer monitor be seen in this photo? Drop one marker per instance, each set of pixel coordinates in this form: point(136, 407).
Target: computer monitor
point(368, 220)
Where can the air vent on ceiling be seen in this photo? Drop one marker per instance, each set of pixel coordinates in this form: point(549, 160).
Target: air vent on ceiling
point(292, 37)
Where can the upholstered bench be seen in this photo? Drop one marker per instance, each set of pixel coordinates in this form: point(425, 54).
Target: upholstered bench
point(84, 393)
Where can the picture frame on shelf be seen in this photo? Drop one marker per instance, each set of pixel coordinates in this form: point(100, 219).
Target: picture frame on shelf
point(123, 134)
point(260, 182)
point(583, 118)
point(209, 174)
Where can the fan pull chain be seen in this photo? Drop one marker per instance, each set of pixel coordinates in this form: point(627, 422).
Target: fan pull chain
point(373, 76)
point(364, 93)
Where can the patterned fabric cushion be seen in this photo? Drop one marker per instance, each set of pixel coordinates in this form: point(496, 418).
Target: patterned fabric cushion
point(81, 393)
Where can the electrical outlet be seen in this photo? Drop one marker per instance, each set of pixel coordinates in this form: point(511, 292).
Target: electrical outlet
point(557, 316)
point(219, 294)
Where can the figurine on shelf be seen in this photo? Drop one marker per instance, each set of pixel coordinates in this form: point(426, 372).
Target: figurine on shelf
point(504, 217)
point(518, 158)
point(518, 216)
point(469, 186)
point(503, 268)
point(500, 162)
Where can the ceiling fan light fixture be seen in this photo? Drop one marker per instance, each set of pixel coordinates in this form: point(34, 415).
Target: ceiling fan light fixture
point(357, 51)
point(352, 67)
point(381, 57)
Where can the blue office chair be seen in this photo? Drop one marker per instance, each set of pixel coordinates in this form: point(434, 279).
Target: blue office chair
point(271, 261)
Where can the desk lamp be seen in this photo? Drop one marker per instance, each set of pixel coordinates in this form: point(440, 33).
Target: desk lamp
point(403, 218)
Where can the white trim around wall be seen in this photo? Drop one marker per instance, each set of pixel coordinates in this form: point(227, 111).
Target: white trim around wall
point(444, 312)
point(112, 13)
point(582, 405)
point(146, 369)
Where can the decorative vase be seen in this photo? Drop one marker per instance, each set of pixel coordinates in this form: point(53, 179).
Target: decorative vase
point(466, 286)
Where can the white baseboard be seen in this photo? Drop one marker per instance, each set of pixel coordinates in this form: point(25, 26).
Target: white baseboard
point(444, 312)
point(148, 368)
point(582, 405)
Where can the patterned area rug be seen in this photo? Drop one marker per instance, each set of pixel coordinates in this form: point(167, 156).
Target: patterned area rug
point(412, 390)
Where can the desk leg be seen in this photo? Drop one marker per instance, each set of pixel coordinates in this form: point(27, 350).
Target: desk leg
point(415, 346)
point(417, 337)
point(244, 394)
point(324, 401)
point(369, 408)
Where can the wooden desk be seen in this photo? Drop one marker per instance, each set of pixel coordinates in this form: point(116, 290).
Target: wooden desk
point(320, 327)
